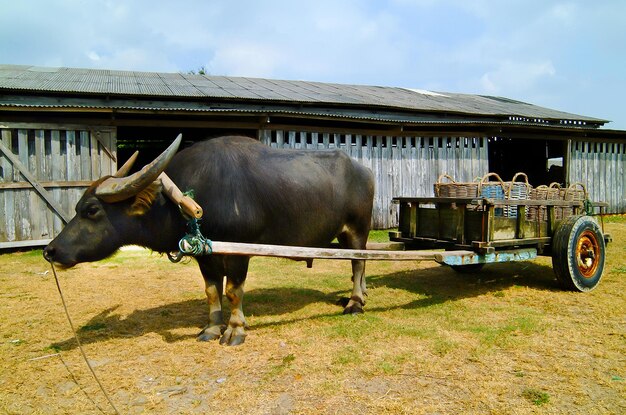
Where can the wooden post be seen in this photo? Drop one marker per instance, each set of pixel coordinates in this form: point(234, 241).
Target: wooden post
point(301, 253)
point(189, 206)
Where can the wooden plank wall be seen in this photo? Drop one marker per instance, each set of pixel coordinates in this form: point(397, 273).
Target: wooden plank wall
point(64, 161)
point(402, 165)
point(601, 168)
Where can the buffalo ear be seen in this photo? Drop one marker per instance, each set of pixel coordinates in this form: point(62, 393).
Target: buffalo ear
point(144, 199)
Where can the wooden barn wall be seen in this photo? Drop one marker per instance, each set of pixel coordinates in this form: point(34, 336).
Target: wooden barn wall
point(402, 165)
point(43, 172)
point(600, 167)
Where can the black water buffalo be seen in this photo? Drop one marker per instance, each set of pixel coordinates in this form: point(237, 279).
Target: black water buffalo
point(249, 193)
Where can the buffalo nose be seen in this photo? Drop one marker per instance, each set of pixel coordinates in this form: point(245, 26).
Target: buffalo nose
point(48, 253)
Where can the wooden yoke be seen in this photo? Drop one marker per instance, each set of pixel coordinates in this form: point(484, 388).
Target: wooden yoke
point(187, 204)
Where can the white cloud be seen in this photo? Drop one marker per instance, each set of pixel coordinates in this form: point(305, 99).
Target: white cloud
point(93, 56)
point(246, 59)
point(516, 77)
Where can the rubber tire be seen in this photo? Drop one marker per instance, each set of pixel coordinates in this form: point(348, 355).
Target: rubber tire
point(467, 269)
point(572, 274)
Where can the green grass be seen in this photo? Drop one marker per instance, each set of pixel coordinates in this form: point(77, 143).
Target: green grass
point(536, 396)
point(379, 235)
point(614, 218)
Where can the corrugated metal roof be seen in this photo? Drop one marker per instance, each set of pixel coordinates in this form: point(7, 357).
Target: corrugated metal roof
point(177, 86)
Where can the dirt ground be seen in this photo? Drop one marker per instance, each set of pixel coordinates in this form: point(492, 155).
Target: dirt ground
point(506, 340)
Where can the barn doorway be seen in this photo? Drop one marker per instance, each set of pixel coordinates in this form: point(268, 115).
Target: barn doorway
point(542, 160)
point(151, 141)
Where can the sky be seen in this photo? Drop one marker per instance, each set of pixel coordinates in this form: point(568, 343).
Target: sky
point(565, 55)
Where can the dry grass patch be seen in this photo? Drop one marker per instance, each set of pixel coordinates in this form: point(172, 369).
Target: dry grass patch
point(503, 341)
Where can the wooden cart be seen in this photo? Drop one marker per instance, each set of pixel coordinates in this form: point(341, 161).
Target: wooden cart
point(481, 231)
point(471, 231)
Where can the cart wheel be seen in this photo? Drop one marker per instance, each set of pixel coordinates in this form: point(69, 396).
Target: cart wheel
point(578, 253)
point(467, 269)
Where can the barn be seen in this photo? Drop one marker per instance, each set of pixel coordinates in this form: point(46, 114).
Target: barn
point(62, 128)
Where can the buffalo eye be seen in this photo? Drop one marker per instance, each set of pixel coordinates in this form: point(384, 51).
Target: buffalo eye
point(91, 211)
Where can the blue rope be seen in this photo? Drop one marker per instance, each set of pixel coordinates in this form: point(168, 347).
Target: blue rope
point(194, 243)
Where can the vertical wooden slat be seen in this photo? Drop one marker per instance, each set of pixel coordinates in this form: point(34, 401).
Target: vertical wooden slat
point(405, 166)
point(417, 186)
point(47, 175)
point(386, 185)
point(291, 139)
point(326, 140)
point(7, 228)
point(358, 140)
point(73, 168)
point(94, 150)
point(22, 211)
point(37, 205)
point(58, 174)
point(376, 168)
point(265, 137)
point(280, 140)
point(315, 141)
point(85, 153)
point(336, 141)
point(348, 148)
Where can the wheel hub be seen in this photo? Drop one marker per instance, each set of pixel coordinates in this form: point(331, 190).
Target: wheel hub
point(586, 254)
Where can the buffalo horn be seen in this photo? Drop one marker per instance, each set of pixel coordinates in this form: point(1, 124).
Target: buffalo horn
point(115, 189)
point(123, 171)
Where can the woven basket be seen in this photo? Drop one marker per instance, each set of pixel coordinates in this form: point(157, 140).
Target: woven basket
point(447, 187)
point(576, 192)
point(543, 192)
point(492, 190)
point(517, 190)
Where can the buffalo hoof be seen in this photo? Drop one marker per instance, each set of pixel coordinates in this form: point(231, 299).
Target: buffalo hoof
point(210, 333)
point(233, 336)
point(355, 308)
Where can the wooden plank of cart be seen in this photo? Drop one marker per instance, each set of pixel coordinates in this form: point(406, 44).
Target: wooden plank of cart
point(482, 231)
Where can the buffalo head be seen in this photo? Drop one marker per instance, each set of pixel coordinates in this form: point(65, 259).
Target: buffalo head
point(107, 213)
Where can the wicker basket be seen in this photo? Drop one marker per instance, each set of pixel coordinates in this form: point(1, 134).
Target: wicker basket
point(576, 192)
point(543, 192)
point(447, 187)
point(517, 190)
point(492, 190)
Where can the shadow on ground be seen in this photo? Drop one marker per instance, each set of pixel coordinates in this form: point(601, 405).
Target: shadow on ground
point(431, 285)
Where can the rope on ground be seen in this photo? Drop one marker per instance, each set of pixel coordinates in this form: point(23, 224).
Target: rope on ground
point(80, 346)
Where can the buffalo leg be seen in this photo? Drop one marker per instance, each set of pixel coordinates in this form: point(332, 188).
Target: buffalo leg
point(356, 302)
point(212, 269)
point(236, 270)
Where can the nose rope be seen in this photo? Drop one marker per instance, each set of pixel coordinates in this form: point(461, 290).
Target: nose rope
point(193, 243)
point(80, 346)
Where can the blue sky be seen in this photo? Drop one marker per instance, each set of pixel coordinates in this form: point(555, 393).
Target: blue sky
point(566, 55)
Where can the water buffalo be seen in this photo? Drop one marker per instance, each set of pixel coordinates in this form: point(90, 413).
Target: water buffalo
point(249, 193)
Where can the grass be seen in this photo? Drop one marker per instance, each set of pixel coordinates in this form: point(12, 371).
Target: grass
point(535, 396)
point(430, 341)
point(614, 218)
